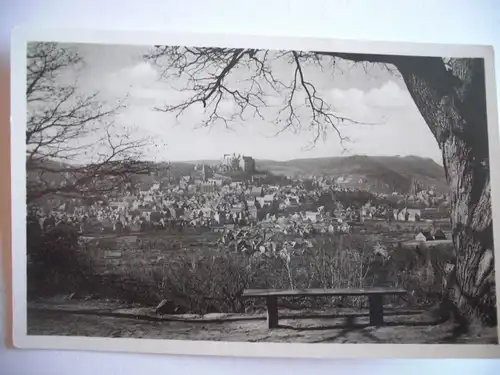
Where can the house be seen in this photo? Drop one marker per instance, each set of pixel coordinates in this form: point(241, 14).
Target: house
point(291, 210)
point(283, 221)
point(119, 205)
point(173, 212)
point(252, 211)
point(236, 210)
point(420, 237)
point(207, 187)
point(215, 181)
point(407, 214)
point(250, 203)
point(206, 211)
point(268, 198)
point(290, 201)
point(313, 216)
point(424, 236)
point(344, 227)
point(414, 214)
point(257, 192)
point(399, 215)
point(320, 227)
point(261, 201)
point(439, 235)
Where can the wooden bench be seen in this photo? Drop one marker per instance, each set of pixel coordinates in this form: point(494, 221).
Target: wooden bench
point(375, 299)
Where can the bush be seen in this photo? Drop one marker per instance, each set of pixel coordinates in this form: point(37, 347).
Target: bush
point(215, 281)
point(207, 280)
point(54, 264)
point(423, 271)
point(195, 283)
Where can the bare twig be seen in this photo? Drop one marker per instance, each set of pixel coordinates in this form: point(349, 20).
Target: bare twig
point(64, 125)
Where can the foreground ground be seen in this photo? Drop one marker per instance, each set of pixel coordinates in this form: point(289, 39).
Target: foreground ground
point(104, 319)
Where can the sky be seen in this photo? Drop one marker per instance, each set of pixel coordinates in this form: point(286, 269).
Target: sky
point(391, 122)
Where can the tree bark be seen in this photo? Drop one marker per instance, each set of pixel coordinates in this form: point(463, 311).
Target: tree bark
point(452, 101)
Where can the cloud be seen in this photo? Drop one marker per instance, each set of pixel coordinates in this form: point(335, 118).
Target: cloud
point(141, 85)
point(376, 105)
point(389, 96)
point(141, 74)
point(348, 97)
point(399, 127)
point(143, 70)
point(351, 103)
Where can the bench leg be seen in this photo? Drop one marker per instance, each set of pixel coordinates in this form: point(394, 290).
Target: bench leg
point(376, 303)
point(272, 312)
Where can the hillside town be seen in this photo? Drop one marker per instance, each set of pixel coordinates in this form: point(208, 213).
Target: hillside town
point(233, 196)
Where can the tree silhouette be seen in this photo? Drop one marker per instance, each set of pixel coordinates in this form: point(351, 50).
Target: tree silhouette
point(449, 93)
point(63, 125)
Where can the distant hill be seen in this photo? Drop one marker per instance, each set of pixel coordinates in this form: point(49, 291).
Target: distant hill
point(375, 173)
point(379, 173)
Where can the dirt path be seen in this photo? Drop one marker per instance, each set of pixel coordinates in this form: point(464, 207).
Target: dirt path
point(409, 327)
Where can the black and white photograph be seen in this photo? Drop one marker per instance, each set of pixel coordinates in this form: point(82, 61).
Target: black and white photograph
point(257, 195)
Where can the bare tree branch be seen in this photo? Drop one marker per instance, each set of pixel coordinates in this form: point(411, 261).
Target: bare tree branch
point(204, 74)
point(64, 126)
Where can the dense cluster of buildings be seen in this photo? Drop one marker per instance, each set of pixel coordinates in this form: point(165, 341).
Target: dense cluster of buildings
point(208, 197)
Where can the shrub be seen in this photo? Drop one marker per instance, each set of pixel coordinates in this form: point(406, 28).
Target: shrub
point(201, 282)
point(54, 264)
point(204, 279)
point(196, 283)
point(423, 271)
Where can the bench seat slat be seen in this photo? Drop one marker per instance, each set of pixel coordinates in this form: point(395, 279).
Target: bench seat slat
point(322, 292)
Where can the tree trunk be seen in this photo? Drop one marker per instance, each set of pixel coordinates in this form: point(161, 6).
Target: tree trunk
point(452, 101)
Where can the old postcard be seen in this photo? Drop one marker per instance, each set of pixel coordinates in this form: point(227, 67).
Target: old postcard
point(224, 195)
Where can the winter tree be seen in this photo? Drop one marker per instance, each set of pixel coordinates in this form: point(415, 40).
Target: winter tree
point(449, 93)
point(73, 147)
